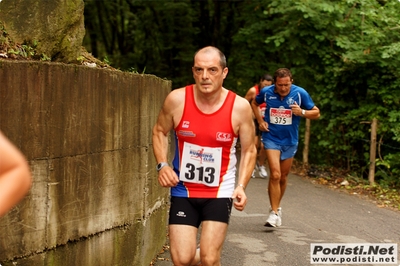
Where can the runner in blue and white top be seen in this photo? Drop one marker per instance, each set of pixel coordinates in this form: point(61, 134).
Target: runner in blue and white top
point(282, 124)
point(286, 104)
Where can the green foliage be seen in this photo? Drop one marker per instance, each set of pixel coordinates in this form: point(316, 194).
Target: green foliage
point(385, 196)
point(106, 60)
point(26, 50)
point(44, 57)
point(143, 34)
point(80, 59)
point(351, 49)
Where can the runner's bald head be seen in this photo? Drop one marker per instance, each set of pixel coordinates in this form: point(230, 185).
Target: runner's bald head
point(210, 50)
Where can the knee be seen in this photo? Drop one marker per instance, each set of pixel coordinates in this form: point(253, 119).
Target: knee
point(275, 177)
point(210, 260)
point(283, 181)
point(182, 259)
point(284, 177)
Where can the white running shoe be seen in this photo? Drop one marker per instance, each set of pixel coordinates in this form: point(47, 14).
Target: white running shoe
point(279, 211)
point(262, 171)
point(253, 175)
point(274, 220)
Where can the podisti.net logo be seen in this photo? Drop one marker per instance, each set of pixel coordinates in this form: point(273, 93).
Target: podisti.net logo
point(354, 253)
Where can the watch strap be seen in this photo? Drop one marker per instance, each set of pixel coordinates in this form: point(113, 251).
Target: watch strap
point(161, 165)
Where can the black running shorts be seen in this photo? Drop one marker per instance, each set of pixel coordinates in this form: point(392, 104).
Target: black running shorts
point(192, 211)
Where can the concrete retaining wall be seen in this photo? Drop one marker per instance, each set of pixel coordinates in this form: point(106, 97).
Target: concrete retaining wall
point(86, 133)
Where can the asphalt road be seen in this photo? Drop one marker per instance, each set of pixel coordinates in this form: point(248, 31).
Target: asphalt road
point(312, 213)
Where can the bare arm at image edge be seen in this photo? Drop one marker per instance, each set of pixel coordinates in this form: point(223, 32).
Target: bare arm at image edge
point(15, 175)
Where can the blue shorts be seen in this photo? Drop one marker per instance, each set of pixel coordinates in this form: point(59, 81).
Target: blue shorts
point(287, 151)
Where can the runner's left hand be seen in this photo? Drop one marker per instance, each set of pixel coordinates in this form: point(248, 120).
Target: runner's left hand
point(240, 198)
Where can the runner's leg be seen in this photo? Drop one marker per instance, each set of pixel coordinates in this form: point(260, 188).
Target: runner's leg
point(212, 237)
point(274, 190)
point(285, 169)
point(183, 244)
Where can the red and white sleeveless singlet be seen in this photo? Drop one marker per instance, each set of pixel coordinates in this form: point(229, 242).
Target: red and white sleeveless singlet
point(207, 153)
point(262, 106)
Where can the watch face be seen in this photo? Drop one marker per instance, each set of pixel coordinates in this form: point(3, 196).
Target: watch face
point(161, 165)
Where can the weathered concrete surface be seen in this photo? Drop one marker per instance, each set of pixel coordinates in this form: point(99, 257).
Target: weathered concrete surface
point(87, 136)
point(56, 26)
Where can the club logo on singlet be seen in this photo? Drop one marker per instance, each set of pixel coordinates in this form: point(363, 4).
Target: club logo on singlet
point(185, 124)
point(221, 136)
point(290, 101)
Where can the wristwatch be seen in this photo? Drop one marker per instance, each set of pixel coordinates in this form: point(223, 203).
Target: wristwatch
point(303, 112)
point(161, 165)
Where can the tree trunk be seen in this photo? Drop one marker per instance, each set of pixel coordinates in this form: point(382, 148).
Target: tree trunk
point(372, 154)
point(306, 144)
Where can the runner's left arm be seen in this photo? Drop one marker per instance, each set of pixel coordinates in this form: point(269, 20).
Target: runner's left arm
point(242, 120)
